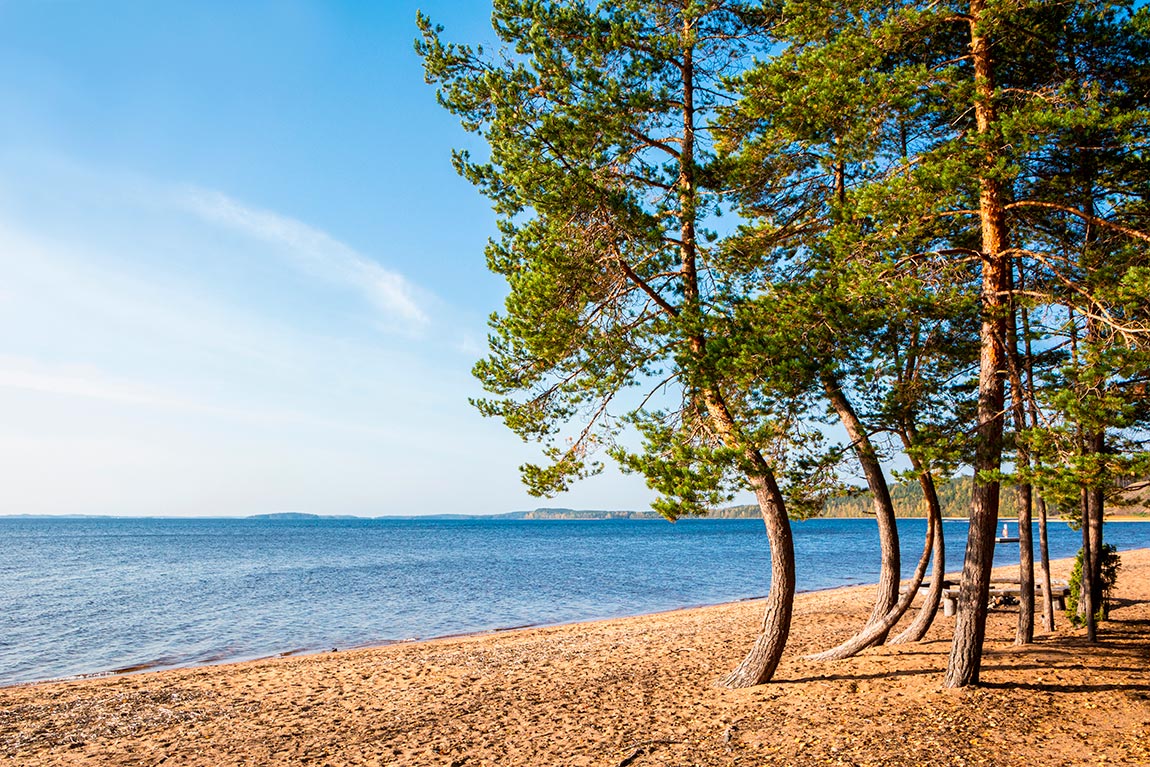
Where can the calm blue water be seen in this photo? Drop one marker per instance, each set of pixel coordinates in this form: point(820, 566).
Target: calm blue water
point(90, 596)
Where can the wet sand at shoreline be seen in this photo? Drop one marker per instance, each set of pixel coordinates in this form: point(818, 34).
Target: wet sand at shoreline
point(631, 691)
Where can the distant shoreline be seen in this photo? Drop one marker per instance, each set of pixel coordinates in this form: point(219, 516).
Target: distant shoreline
point(524, 516)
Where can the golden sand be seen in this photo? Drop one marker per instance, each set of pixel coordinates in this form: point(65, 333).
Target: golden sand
point(635, 691)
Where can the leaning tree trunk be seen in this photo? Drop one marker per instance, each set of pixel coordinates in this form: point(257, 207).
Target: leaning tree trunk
point(970, 627)
point(760, 663)
point(875, 629)
point(921, 624)
point(891, 568)
point(1044, 568)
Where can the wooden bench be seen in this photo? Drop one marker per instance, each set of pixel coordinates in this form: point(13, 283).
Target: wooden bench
point(1058, 594)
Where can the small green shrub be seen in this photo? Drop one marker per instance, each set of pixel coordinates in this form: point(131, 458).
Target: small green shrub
point(1110, 565)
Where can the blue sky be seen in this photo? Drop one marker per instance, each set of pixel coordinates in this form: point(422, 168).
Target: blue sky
point(238, 272)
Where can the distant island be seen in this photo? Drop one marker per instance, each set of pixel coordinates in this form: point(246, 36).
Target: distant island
point(301, 515)
point(561, 513)
point(907, 497)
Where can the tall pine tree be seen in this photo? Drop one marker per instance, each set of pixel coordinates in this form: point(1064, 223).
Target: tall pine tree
point(598, 123)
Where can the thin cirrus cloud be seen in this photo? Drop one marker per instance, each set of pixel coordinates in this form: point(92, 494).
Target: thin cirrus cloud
point(35, 376)
point(315, 252)
point(87, 382)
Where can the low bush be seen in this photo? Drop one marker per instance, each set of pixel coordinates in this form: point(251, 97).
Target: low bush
point(1110, 565)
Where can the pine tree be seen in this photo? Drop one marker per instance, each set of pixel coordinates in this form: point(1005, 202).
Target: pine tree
point(597, 119)
point(929, 117)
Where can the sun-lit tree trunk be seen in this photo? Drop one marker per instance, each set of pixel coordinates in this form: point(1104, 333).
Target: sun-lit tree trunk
point(1086, 586)
point(1092, 510)
point(1095, 441)
point(1024, 633)
point(763, 658)
point(758, 666)
point(1092, 513)
point(890, 569)
point(883, 625)
point(970, 627)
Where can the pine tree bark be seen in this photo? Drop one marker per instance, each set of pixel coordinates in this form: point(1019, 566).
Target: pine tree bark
point(891, 567)
point(760, 663)
point(762, 660)
point(1044, 569)
point(1024, 633)
point(1039, 501)
point(1095, 497)
point(874, 629)
point(1095, 440)
point(921, 623)
point(970, 627)
point(1086, 606)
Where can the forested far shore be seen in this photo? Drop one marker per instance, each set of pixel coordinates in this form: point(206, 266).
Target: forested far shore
point(907, 497)
point(908, 501)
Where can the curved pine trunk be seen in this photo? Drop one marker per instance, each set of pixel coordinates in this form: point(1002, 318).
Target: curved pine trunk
point(891, 568)
point(875, 629)
point(921, 624)
point(760, 663)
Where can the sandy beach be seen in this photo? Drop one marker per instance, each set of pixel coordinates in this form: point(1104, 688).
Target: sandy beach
point(634, 691)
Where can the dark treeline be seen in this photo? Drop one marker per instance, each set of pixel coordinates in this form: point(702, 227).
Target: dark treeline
point(730, 229)
point(907, 499)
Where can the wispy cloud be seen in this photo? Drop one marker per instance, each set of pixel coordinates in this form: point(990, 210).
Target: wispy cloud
point(31, 375)
point(89, 382)
point(314, 252)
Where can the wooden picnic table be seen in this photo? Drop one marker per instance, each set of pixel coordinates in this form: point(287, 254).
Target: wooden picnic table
point(999, 587)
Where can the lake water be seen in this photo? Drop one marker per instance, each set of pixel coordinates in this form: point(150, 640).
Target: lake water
point(83, 596)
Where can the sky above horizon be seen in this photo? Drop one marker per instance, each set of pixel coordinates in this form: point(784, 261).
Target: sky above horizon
point(239, 273)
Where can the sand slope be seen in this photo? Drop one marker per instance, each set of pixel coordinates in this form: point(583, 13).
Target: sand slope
point(635, 691)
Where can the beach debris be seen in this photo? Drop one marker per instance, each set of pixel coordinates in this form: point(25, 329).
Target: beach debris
point(116, 714)
point(643, 748)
